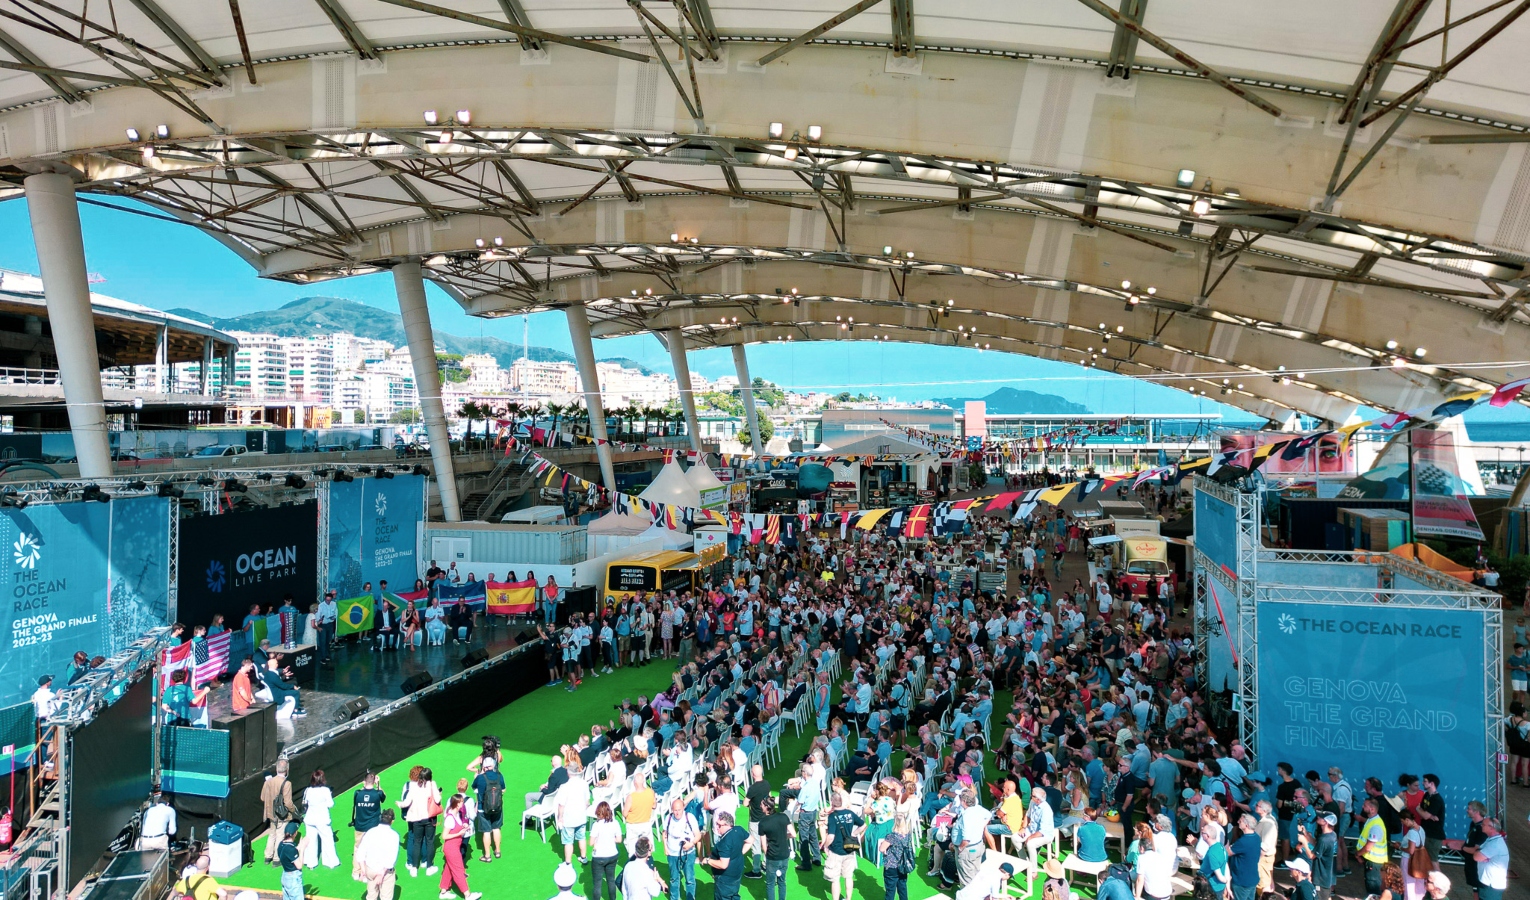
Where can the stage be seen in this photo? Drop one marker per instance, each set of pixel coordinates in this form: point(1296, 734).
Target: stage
point(360, 671)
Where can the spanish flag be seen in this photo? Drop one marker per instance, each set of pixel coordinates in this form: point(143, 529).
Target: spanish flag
point(355, 616)
point(511, 598)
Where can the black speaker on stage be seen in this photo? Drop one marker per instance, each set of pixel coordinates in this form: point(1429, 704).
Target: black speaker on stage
point(416, 682)
point(475, 657)
point(251, 740)
point(350, 709)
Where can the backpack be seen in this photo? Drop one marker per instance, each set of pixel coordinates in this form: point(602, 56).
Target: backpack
point(493, 801)
point(1121, 871)
point(281, 810)
point(903, 863)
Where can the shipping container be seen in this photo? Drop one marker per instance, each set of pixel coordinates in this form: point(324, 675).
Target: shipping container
point(483, 543)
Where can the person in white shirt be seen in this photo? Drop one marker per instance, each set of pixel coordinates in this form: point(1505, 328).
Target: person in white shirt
point(1155, 875)
point(158, 825)
point(321, 845)
point(992, 881)
point(379, 857)
point(565, 878)
point(572, 812)
point(640, 881)
point(44, 700)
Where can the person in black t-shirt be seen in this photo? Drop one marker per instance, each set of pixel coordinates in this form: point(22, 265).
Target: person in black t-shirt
point(290, 856)
point(1431, 814)
point(727, 859)
point(777, 833)
point(756, 796)
point(366, 812)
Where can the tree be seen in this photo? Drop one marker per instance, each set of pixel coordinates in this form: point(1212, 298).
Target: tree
point(358, 417)
point(767, 430)
point(409, 416)
point(558, 411)
point(475, 412)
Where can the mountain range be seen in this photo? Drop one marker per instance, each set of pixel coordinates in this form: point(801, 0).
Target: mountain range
point(312, 316)
point(1008, 401)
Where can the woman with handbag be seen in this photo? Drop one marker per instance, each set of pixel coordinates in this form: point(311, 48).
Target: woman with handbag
point(1416, 864)
point(421, 803)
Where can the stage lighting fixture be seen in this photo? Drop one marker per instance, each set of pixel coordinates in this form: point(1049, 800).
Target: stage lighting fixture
point(295, 481)
point(364, 470)
point(169, 490)
point(137, 484)
point(205, 481)
point(383, 473)
point(420, 470)
point(235, 486)
point(94, 492)
point(321, 473)
point(263, 476)
point(343, 477)
point(11, 498)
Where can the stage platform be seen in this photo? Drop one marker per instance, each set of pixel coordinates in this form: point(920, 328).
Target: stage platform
point(360, 671)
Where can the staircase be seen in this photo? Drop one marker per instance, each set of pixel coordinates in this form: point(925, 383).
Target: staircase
point(508, 480)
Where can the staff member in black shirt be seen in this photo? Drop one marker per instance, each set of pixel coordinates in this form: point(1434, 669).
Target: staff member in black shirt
point(366, 813)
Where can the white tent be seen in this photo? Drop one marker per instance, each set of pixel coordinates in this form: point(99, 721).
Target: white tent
point(702, 478)
point(613, 531)
point(673, 540)
point(671, 486)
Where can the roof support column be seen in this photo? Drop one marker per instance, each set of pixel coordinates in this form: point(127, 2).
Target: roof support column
point(589, 382)
point(746, 388)
point(165, 380)
point(409, 282)
point(61, 259)
point(205, 370)
point(676, 340)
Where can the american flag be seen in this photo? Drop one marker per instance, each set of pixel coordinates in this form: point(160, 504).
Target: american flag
point(210, 658)
point(205, 659)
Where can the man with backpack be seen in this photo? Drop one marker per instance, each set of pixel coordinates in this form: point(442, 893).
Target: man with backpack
point(490, 788)
point(276, 800)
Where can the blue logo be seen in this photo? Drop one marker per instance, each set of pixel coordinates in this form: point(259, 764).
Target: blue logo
point(216, 576)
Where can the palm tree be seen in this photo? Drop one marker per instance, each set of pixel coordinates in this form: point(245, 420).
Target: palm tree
point(577, 413)
point(473, 412)
point(558, 411)
point(511, 411)
point(648, 413)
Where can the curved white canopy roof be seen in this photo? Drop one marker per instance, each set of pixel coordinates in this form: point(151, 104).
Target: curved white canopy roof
point(987, 173)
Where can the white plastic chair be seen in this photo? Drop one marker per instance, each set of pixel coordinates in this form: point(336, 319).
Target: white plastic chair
point(541, 813)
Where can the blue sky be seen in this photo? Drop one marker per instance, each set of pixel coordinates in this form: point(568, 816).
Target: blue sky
point(166, 265)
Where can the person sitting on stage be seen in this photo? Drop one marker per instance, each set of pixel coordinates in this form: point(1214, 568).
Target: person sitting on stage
point(434, 618)
point(282, 687)
point(462, 623)
point(387, 623)
point(245, 681)
point(410, 624)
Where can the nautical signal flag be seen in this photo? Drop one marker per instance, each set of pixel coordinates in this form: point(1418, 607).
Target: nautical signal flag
point(511, 598)
point(355, 615)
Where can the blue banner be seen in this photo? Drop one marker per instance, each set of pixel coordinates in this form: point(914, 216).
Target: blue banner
point(345, 538)
point(391, 511)
point(374, 533)
point(138, 567)
point(55, 577)
point(1216, 531)
point(1376, 690)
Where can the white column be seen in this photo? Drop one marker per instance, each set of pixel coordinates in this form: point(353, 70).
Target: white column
point(676, 340)
point(589, 380)
point(410, 285)
point(61, 259)
point(741, 365)
point(206, 368)
point(166, 380)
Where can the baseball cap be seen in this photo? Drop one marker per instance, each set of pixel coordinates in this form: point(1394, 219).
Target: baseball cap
point(1439, 881)
point(1007, 868)
point(564, 877)
point(1330, 818)
point(292, 828)
point(1299, 865)
point(1187, 794)
point(1259, 777)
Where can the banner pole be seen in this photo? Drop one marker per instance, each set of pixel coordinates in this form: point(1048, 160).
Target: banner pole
point(1412, 493)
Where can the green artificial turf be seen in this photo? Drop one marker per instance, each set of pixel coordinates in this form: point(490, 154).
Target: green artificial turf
point(532, 729)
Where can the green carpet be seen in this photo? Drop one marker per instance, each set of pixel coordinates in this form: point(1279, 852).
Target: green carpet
point(532, 729)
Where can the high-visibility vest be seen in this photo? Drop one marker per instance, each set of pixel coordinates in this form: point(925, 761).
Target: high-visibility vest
point(1378, 853)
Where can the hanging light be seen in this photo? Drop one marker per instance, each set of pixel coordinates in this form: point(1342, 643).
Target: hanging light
point(431, 118)
point(776, 130)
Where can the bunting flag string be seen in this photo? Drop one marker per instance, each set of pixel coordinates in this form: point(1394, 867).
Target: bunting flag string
point(1012, 448)
point(698, 456)
point(946, 517)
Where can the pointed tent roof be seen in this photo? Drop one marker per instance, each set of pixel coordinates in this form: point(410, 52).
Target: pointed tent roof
point(618, 523)
point(670, 486)
point(702, 478)
point(673, 540)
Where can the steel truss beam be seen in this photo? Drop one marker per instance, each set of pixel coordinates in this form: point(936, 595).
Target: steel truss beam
point(1182, 57)
point(1123, 47)
point(822, 28)
point(1063, 192)
point(516, 14)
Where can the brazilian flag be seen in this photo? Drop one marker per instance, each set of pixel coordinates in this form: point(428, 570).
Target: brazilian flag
point(355, 615)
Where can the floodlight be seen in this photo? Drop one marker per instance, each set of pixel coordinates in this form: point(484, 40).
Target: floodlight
point(162, 131)
point(777, 129)
point(791, 153)
point(1201, 206)
point(1391, 345)
point(815, 132)
point(1185, 178)
point(133, 135)
point(431, 118)
point(464, 117)
point(148, 151)
point(1419, 353)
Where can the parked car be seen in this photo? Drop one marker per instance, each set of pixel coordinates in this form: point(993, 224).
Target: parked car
point(220, 450)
